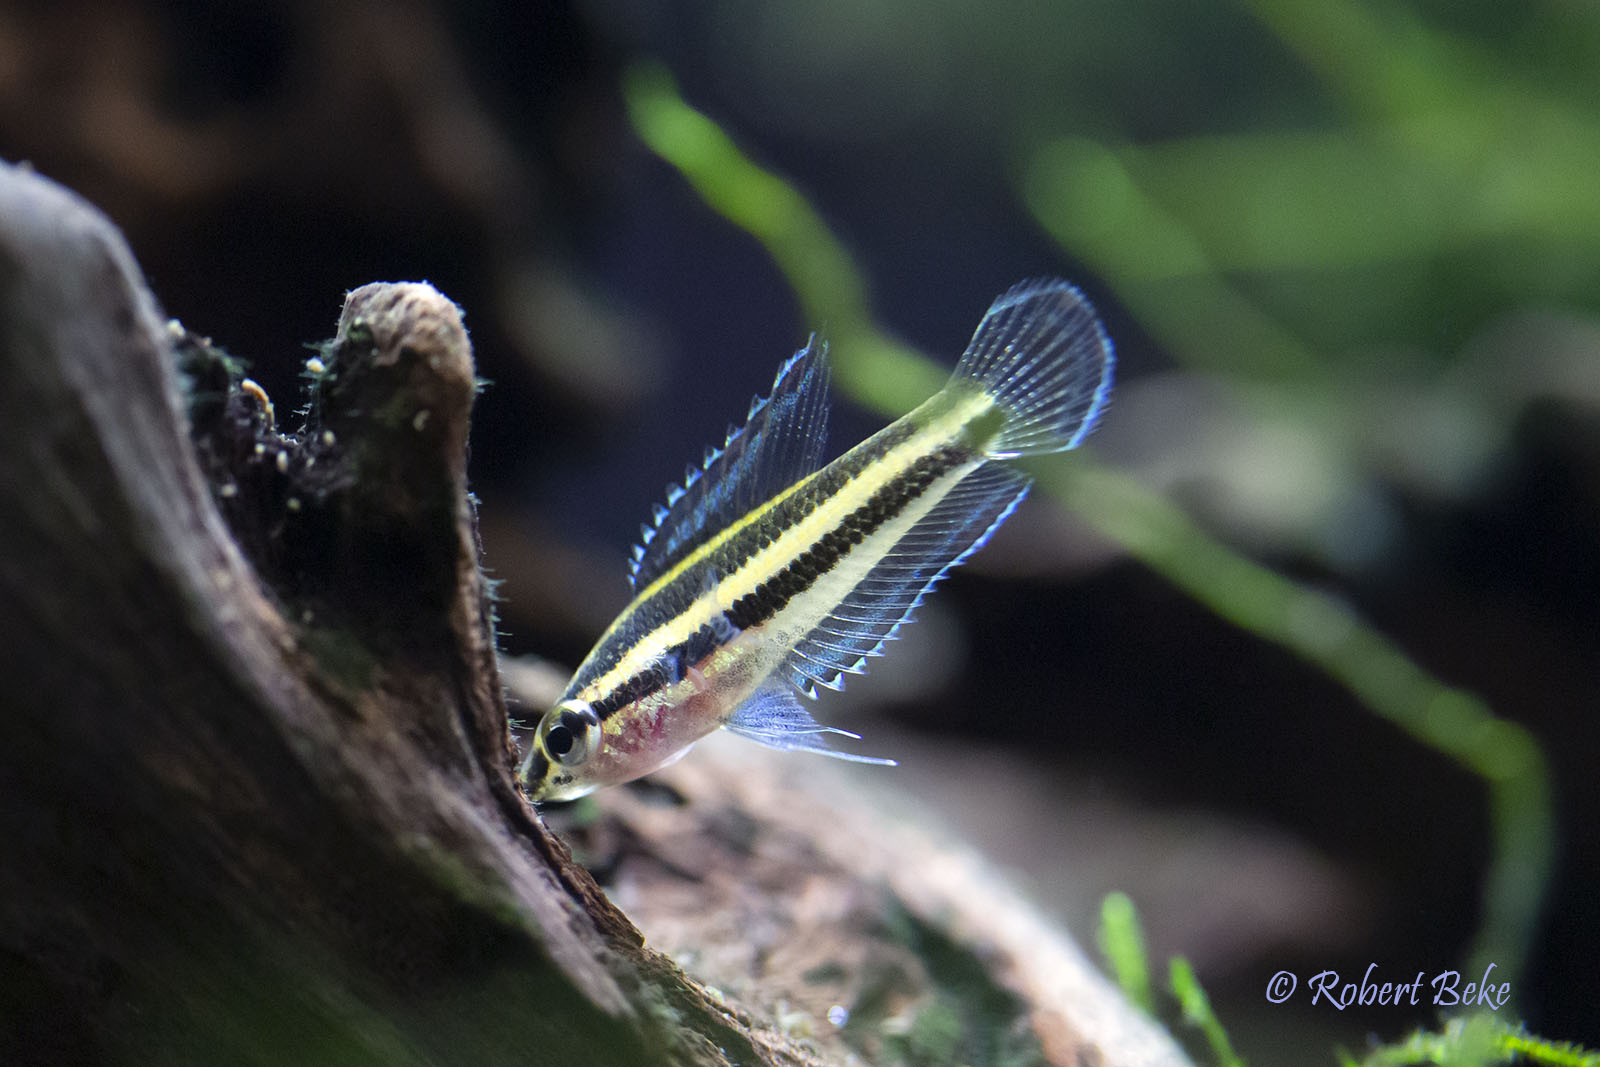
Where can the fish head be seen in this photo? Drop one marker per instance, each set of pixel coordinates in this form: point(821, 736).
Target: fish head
point(566, 744)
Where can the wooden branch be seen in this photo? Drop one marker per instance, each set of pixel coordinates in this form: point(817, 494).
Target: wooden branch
point(267, 807)
point(254, 758)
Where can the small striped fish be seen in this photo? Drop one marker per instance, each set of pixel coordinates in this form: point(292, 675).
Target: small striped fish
point(769, 574)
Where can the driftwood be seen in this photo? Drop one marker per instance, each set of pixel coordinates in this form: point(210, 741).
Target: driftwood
point(255, 790)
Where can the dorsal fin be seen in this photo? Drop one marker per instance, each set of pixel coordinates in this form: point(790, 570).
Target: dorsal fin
point(780, 443)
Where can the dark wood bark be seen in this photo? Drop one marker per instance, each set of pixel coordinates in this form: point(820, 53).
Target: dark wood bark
point(263, 804)
point(255, 790)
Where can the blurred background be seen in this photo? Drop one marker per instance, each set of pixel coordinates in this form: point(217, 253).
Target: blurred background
point(1273, 659)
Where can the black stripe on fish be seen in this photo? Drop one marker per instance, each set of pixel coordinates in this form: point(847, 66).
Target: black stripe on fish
point(772, 595)
point(680, 592)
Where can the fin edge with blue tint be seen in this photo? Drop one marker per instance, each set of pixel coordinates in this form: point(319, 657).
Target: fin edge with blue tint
point(871, 613)
point(1044, 357)
point(780, 443)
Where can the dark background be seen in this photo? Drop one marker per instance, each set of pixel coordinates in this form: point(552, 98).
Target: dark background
point(1404, 193)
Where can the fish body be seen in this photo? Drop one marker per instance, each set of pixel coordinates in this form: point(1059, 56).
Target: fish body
point(769, 574)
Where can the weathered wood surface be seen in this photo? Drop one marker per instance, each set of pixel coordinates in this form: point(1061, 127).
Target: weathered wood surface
point(255, 792)
point(799, 886)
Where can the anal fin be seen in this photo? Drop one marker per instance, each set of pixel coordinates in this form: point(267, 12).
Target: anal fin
point(872, 613)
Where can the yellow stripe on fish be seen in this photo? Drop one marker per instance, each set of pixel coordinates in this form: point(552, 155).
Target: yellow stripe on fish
point(768, 574)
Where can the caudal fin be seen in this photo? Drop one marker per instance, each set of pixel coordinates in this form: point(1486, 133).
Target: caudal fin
point(1043, 356)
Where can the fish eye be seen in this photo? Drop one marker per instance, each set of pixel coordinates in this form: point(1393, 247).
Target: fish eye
point(570, 732)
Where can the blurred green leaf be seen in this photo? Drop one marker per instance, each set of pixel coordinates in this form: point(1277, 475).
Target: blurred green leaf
point(1122, 944)
point(1197, 1011)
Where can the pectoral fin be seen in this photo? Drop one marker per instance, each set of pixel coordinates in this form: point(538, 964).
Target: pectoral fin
point(773, 717)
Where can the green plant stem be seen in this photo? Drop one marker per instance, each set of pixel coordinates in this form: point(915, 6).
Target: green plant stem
point(1197, 1011)
point(1122, 944)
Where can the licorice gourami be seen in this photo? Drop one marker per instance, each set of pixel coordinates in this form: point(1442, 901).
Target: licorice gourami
point(769, 574)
